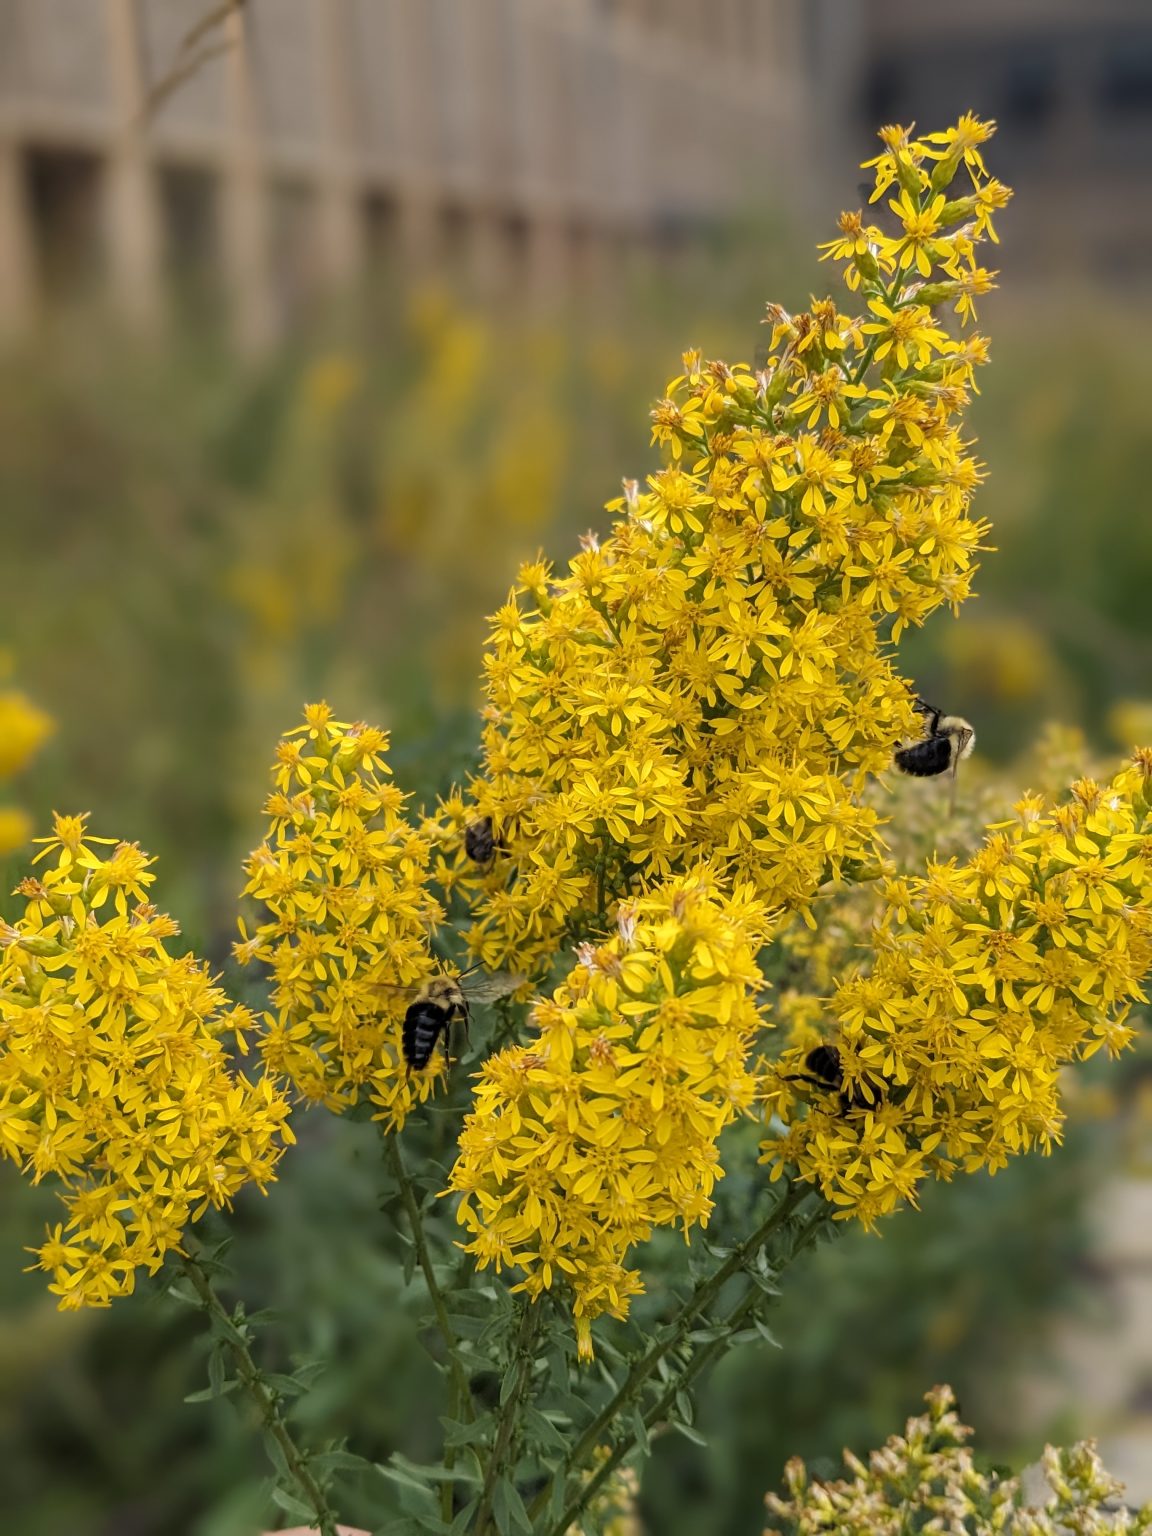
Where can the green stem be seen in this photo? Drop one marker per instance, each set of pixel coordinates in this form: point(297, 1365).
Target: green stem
point(509, 1423)
point(671, 1339)
point(698, 1363)
point(266, 1399)
point(865, 359)
point(428, 1269)
point(448, 1487)
point(889, 297)
point(601, 879)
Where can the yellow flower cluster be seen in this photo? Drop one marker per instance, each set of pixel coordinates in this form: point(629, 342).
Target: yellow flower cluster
point(712, 681)
point(114, 1070)
point(988, 977)
point(605, 1126)
point(23, 728)
point(810, 962)
point(343, 879)
point(927, 1480)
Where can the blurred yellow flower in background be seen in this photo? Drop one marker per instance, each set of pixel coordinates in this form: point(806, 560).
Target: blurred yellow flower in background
point(23, 730)
point(1130, 721)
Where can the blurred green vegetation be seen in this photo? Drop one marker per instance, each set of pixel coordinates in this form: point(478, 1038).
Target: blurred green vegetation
point(193, 547)
point(1061, 627)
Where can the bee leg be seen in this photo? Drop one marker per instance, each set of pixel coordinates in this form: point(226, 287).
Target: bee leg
point(931, 714)
point(804, 1077)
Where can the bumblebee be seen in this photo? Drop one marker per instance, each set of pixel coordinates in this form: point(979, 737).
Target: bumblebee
point(948, 742)
point(825, 1070)
point(429, 1018)
point(480, 841)
point(436, 1007)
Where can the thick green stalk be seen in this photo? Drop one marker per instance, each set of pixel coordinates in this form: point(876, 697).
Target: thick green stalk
point(699, 1362)
point(448, 1488)
point(509, 1422)
point(428, 1268)
point(266, 1399)
point(671, 1338)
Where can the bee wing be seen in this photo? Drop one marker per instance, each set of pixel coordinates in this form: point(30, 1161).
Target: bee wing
point(955, 770)
point(489, 989)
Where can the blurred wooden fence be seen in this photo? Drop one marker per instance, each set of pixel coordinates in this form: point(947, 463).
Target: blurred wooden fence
point(533, 142)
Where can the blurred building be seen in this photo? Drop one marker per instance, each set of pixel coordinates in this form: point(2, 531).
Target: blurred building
point(276, 147)
point(1071, 87)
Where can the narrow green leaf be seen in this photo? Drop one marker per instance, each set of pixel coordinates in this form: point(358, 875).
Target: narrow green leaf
point(558, 1367)
point(206, 1394)
point(743, 1336)
point(340, 1461)
point(463, 1521)
point(293, 1506)
point(475, 1433)
point(402, 1476)
point(688, 1432)
point(765, 1283)
point(516, 1507)
point(420, 1474)
point(542, 1430)
point(216, 1372)
point(276, 1454)
point(508, 1508)
point(708, 1334)
point(308, 1371)
point(556, 1498)
point(287, 1386)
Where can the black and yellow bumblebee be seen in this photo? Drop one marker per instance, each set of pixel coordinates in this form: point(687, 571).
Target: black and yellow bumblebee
point(436, 1007)
point(481, 841)
point(948, 742)
point(826, 1070)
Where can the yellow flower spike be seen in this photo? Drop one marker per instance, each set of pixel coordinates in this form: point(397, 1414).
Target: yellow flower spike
point(643, 707)
point(605, 1127)
point(343, 879)
point(986, 979)
point(115, 1080)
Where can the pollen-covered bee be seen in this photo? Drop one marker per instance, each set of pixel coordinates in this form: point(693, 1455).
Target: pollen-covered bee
point(480, 841)
point(438, 1004)
point(948, 742)
point(826, 1070)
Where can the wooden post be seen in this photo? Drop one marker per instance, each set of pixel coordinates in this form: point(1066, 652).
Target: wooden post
point(550, 262)
point(17, 264)
point(341, 225)
point(245, 201)
point(131, 213)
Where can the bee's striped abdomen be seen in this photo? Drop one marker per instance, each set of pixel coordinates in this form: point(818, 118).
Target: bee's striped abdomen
point(924, 759)
point(423, 1024)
